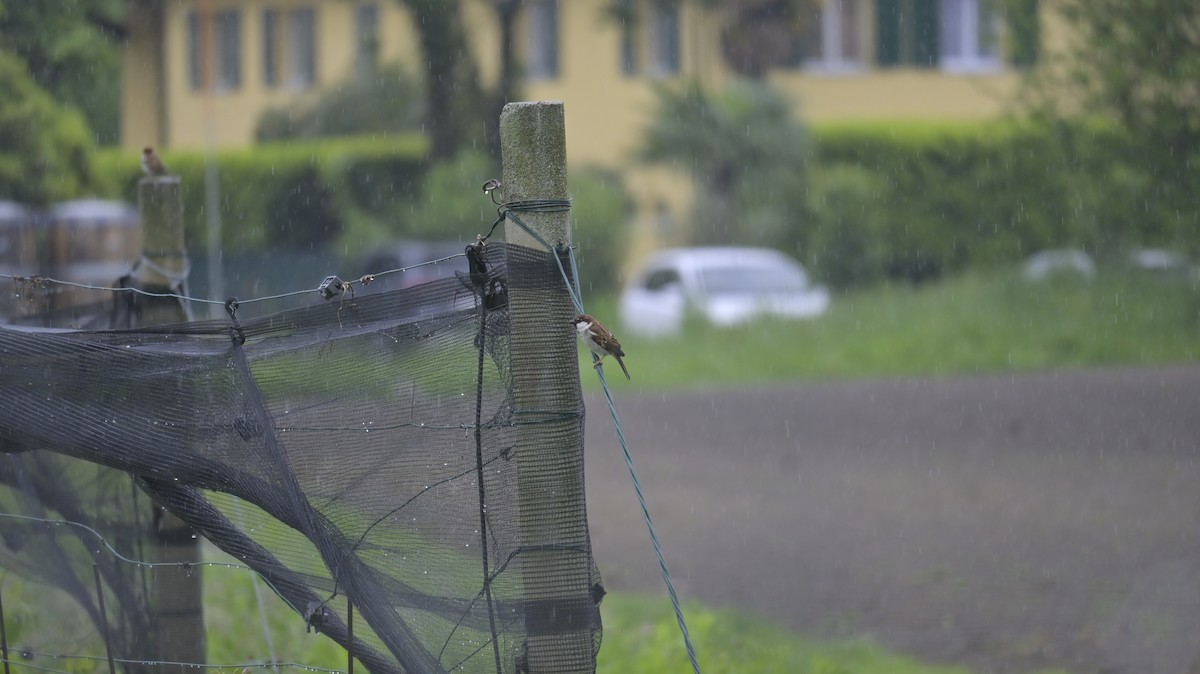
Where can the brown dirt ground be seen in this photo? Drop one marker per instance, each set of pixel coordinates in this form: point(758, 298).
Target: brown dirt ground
point(1003, 522)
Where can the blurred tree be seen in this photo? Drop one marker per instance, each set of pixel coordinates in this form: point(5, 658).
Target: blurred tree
point(458, 109)
point(45, 149)
point(601, 215)
point(71, 49)
point(743, 148)
point(1138, 63)
point(756, 35)
point(379, 100)
point(454, 100)
point(508, 85)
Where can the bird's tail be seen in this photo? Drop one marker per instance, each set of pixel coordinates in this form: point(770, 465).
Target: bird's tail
point(621, 362)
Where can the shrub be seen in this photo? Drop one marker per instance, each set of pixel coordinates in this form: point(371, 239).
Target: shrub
point(848, 227)
point(601, 215)
point(451, 204)
point(298, 195)
point(382, 100)
point(943, 197)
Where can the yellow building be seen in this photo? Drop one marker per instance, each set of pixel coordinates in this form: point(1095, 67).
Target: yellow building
point(863, 60)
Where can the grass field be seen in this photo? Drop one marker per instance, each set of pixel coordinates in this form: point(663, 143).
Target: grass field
point(987, 321)
point(640, 637)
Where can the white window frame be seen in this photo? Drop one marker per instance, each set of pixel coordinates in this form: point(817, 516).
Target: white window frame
point(833, 60)
point(973, 22)
point(666, 41)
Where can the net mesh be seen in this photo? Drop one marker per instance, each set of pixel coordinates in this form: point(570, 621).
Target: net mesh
point(402, 450)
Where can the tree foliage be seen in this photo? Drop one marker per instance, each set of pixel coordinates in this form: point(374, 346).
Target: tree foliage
point(1138, 63)
point(71, 49)
point(45, 149)
point(382, 100)
point(453, 95)
point(743, 148)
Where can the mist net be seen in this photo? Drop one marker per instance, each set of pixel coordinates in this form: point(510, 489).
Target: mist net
point(407, 451)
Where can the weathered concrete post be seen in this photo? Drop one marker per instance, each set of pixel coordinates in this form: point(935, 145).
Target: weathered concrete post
point(178, 612)
point(164, 258)
point(556, 561)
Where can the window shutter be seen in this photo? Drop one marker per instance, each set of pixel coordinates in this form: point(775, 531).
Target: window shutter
point(925, 42)
point(887, 32)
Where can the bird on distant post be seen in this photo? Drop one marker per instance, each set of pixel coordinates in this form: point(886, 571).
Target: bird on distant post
point(599, 340)
point(152, 165)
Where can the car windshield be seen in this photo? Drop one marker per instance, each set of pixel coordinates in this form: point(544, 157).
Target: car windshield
point(741, 279)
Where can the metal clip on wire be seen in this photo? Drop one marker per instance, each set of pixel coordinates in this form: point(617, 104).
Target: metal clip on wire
point(235, 331)
point(491, 188)
point(333, 286)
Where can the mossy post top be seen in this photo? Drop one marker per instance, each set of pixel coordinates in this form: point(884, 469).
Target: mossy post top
point(533, 145)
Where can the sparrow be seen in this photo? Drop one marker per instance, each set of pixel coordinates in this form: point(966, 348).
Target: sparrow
point(599, 340)
point(152, 165)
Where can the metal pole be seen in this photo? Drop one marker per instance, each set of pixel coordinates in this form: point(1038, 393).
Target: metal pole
point(556, 559)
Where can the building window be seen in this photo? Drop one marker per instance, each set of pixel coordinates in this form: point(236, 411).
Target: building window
point(195, 66)
point(664, 39)
point(969, 34)
point(906, 33)
point(834, 42)
point(270, 25)
point(626, 15)
point(366, 37)
point(543, 39)
point(302, 48)
point(229, 49)
point(226, 52)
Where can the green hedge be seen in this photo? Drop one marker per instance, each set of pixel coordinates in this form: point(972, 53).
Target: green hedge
point(352, 192)
point(915, 201)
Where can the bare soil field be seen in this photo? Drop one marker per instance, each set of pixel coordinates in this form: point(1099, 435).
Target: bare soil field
point(1004, 522)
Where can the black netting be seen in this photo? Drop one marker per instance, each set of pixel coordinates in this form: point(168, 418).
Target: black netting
point(402, 449)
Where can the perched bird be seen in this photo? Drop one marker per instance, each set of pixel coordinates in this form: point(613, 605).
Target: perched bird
point(599, 340)
point(152, 165)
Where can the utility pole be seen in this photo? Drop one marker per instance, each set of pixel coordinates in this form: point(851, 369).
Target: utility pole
point(178, 614)
point(556, 557)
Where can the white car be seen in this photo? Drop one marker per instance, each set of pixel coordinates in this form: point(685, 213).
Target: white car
point(726, 286)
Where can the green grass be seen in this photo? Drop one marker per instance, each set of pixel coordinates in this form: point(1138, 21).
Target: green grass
point(640, 636)
point(993, 321)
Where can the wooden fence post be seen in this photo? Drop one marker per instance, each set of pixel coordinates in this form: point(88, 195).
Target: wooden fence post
point(178, 612)
point(556, 559)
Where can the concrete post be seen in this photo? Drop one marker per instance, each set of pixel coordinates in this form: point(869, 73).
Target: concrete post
point(178, 612)
point(556, 562)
